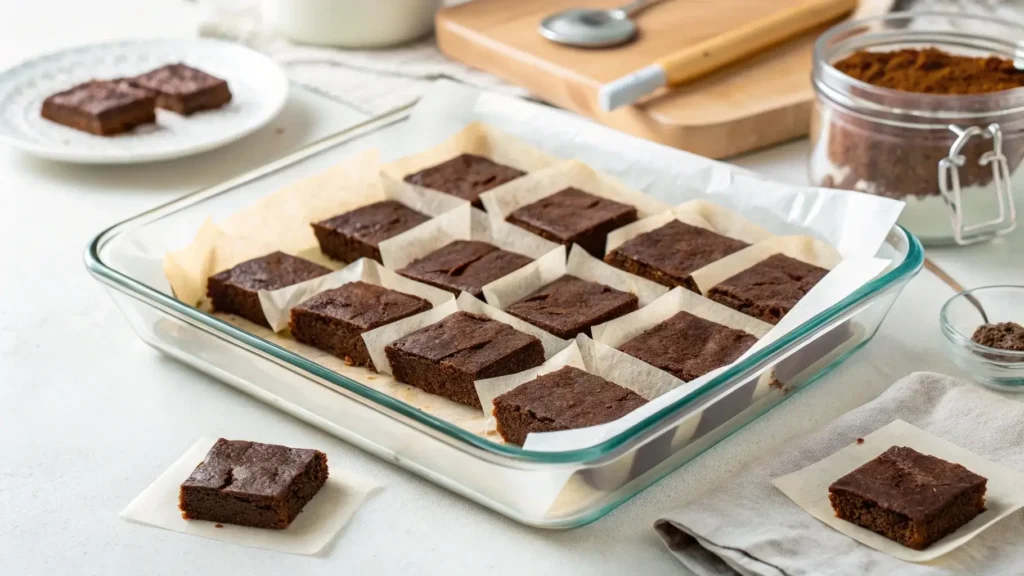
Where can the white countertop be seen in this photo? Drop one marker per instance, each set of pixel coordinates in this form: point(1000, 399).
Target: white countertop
point(89, 415)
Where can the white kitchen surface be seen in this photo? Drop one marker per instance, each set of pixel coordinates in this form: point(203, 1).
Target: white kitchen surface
point(89, 415)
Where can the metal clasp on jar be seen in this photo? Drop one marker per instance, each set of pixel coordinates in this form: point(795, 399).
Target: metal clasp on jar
point(949, 186)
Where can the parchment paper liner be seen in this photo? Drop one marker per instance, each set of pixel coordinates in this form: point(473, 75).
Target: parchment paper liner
point(479, 139)
point(519, 284)
point(804, 248)
point(808, 488)
point(378, 338)
point(320, 521)
point(277, 304)
point(281, 221)
point(698, 212)
point(500, 202)
point(462, 223)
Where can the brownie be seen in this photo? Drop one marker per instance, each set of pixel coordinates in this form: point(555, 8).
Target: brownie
point(466, 176)
point(1004, 336)
point(358, 234)
point(573, 216)
point(101, 107)
point(569, 306)
point(236, 290)
point(447, 356)
point(769, 289)
point(689, 346)
point(565, 399)
point(184, 89)
point(668, 255)
point(334, 320)
point(464, 265)
point(252, 484)
point(909, 497)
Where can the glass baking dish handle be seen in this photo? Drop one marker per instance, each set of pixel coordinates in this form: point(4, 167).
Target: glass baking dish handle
point(949, 185)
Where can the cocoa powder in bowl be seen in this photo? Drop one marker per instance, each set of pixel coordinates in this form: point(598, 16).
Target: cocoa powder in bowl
point(896, 161)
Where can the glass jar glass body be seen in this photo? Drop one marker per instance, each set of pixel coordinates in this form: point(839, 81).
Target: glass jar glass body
point(953, 159)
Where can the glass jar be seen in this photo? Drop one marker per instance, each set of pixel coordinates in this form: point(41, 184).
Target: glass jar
point(952, 158)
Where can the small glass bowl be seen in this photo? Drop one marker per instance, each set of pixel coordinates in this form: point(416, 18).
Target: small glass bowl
point(961, 316)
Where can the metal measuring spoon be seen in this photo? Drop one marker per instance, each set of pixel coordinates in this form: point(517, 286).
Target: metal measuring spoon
point(593, 28)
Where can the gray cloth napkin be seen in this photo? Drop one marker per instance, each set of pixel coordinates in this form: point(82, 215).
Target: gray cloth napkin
point(747, 526)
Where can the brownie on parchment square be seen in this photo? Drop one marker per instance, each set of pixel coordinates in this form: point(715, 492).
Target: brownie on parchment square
point(101, 107)
point(769, 289)
point(909, 497)
point(565, 399)
point(236, 290)
point(183, 89)
point(572, 216)
point(447, 356)
point(334, 320)
point(570, 306)
point(688, 346)
point(464, 265)
point(358, 233)
point(466, 176)
point(252, 484)
point(669, 254)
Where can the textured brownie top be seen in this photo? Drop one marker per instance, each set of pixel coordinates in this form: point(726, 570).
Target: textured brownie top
point(689, 346)
point(466, 176)
point(1004, 336)
point(466, 342)
point(464, 265)
point(570, 212)
point(240, 467)
point(571, 398)
point(678, 249)
point(776, 281)
point(570, 303)
point(99, 96)
point(270, 272)
point(376, 222)
point(176, 79)
point(366, 306)
point(905, 481)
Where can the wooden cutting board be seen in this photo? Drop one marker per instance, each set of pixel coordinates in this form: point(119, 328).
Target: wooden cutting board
point(758, 102)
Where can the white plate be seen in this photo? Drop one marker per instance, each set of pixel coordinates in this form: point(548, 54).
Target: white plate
point(259, 90)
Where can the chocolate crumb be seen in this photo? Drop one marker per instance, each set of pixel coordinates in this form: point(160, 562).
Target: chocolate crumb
point(860, 440)
point(278, 130)
point(218, 525)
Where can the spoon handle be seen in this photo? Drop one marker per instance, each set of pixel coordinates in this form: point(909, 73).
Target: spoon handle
point(623, 12)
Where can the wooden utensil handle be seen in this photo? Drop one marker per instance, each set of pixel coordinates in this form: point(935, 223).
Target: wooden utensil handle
point(718, 51)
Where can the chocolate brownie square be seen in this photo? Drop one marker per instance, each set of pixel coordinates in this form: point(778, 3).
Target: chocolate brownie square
point(252, 484)
point(572, 216)
point(565, 399)
point(358, 233)
point(769, 289)
point(334, 320)
point(101, 107)
point(236, 290)
point(668, 255)
point(184, 89)
point(570, 306)
point(466, 176)
point(464, 265)
point(909, 497)
point(689, 346)
point(447, 356)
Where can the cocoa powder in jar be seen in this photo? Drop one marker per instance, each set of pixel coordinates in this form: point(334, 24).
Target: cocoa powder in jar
point(897, 161)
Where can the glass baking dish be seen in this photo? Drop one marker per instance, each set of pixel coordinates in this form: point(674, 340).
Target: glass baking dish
point(545, 489)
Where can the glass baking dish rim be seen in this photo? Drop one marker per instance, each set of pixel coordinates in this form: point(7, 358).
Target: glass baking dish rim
point(828, 79)
point(910, 265)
